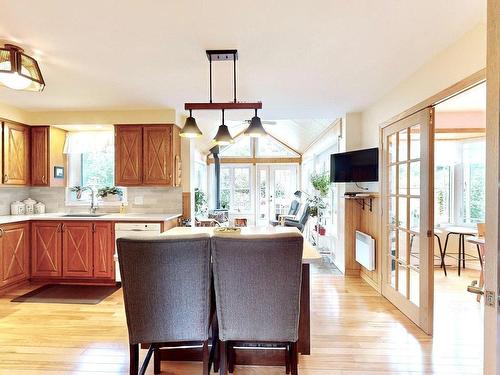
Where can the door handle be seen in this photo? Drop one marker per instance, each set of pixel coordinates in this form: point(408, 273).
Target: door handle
point(63, 227)
point(2, 232)
point(473, 288)
point(44, 180)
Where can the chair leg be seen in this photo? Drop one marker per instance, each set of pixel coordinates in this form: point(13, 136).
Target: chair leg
point(157, 360)
point(479, 255)
point(294, 360)
point(463, 250)
point(223, 357)
point(230, 357)
point(443, 265)
point(459, 254)
point(206, 358)
point(287, 358)
point(134, 359)
point(215, 344)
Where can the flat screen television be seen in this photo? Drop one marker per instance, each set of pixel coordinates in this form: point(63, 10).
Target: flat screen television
point(354, 166)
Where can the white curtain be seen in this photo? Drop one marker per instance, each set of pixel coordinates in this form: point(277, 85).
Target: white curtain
point(87, 142)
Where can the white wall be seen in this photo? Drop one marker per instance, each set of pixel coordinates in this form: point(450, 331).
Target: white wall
point(460, 60)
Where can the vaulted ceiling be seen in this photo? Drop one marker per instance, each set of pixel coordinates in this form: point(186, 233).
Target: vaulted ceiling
point(304, 60)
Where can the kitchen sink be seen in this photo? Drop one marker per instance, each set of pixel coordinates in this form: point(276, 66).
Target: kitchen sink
point(83, 215)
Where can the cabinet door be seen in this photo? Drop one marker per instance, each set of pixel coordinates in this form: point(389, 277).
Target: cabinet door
point(77, 249)
point(128, 155)
point(15, 154)
point(176, 152)
point(40, 174)
point(157, 155)
point(15, 253)
point(46, 254)
point(104, 249)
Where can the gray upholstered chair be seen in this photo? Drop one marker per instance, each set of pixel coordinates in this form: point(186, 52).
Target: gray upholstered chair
point(257, 282)
point(166, 289)
point(300, 223)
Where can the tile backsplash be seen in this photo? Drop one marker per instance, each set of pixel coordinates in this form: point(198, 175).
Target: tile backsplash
point(9, 195)
point(152, 199)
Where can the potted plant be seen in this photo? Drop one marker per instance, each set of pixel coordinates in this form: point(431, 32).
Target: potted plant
point(110, 194)
point(200, 202)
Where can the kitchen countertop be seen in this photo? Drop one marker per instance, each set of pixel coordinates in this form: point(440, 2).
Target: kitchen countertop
point(6, 219)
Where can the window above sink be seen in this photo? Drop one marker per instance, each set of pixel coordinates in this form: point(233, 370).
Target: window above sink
point(91, 163)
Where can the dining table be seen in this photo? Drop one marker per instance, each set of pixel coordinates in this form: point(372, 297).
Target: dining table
point(248, 356)
point(461, 232)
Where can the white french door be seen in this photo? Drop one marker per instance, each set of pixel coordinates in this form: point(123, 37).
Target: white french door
point(276, 185)
point(407, 236)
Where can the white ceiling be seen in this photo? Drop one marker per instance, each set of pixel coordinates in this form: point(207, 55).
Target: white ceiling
point(304, 60)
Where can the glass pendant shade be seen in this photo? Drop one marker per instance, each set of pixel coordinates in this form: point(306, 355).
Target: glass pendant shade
point(19, 71)
point(223, 137)
point(191, 129)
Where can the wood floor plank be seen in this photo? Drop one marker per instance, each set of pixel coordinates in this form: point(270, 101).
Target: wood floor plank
point(354, 330)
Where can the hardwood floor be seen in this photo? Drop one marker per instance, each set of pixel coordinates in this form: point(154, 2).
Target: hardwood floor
point(354, 331)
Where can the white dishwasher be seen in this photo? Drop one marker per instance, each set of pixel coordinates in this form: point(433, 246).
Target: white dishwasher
point(132, 230)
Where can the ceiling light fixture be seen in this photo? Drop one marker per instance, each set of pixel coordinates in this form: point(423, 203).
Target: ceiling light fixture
point(19, 71)
point(223, 137)
point(221, 55)
point(255, 129)
point(191, 129)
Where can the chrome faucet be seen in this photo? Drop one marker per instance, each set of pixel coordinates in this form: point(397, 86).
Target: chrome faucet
point(93, 202)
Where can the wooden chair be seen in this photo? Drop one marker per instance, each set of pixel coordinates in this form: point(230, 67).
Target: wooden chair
point(257, 281)
point(166, 291)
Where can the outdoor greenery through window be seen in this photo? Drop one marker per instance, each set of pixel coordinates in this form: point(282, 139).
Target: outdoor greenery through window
point(235, 188)
point(459, 182)
point(91, 162)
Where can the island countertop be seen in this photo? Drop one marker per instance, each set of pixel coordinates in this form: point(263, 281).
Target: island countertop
point(309, 254)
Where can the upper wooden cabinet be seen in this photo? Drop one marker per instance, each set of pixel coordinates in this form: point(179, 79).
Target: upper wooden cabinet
point(128, 155)
point(147, 155)
point(40, 146)
point(14, 253)
point(15, 155)
point(47, 144)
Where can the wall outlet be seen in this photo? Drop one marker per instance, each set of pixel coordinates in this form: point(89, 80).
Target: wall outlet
point(139, 200)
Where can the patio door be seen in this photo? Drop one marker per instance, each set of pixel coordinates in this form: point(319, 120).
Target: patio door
point(276, 185)
point(407, 235)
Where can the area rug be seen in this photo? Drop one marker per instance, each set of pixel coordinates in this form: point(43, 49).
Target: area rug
point(71, 294)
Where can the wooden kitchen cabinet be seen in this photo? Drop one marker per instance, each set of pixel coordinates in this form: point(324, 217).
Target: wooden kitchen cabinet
point(128, 155)
point(40, 156)
point(104, 250)
point(77, 254)
point(15, 155)
point(157, 151)
point(46, 249)
point(147, 155)
point(14, 253)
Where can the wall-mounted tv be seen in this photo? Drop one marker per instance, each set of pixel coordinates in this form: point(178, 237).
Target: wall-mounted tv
point(354, 166)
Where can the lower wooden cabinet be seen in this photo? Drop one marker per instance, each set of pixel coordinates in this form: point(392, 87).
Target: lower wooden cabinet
point(70, 250)
point(104, 250)
point(46, 249)
point(14, 253)
point(77, 250)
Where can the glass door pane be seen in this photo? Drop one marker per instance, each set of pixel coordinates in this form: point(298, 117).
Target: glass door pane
point(284, 185)
point(263, 203)
point(405, 192)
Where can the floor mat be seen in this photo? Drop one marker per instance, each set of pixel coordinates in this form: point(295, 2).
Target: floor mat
point(72, 294)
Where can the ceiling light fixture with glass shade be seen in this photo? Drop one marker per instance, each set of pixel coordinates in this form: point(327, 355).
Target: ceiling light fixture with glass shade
point(190, 128)
point(19, 71)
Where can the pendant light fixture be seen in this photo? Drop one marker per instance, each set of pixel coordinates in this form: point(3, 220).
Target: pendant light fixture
point(223, 137)
point(191, 129)
point(19, 71)
point(255, 129)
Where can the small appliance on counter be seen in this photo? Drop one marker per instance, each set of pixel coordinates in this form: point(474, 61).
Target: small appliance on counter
point(17, 208)
point(29, 206)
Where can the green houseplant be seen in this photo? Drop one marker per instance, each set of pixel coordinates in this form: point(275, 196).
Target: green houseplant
point(321, 184)
point(200, 202)
point(110, 194)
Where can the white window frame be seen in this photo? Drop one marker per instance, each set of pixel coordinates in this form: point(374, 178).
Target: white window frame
point(251, 170)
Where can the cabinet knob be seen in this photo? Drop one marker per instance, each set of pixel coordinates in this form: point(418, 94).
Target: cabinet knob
point(5, 177)
point(44, 180)
point(1, 232)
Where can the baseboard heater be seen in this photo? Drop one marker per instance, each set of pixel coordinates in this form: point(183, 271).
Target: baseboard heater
point(365, 250)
